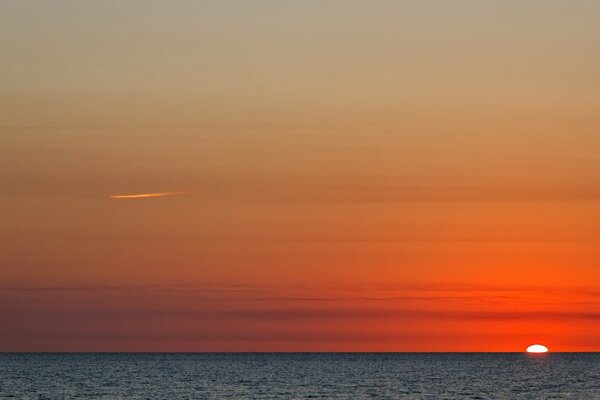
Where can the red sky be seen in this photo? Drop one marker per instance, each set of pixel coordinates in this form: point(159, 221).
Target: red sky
point(299, 176)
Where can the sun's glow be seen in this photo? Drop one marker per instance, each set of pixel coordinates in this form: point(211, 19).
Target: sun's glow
point(537, 348)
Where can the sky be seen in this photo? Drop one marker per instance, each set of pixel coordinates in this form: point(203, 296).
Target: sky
point(299, 175)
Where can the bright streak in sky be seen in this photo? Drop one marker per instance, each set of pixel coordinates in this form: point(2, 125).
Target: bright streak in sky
point(144, 195)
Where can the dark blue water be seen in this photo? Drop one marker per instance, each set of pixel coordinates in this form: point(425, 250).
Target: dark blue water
point(301, 376)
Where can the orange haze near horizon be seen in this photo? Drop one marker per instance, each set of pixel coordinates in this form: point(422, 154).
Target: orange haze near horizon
point(299, 176)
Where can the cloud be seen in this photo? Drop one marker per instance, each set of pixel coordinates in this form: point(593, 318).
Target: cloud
point(144, 195)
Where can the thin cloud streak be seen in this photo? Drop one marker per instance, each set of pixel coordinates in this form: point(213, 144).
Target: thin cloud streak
point(144, 195)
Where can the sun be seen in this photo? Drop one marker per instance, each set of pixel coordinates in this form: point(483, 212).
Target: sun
point(537, 348)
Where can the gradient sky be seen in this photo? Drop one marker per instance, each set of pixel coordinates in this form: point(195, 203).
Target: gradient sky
point(320, 175)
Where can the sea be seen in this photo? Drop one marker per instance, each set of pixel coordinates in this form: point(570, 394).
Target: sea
point(299, 376)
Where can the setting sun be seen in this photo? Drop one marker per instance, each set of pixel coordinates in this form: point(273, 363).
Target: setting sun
point(537, 348)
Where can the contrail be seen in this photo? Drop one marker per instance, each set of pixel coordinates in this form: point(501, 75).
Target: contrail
point(144, 195)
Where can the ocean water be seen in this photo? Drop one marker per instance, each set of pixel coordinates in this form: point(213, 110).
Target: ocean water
point(300, 376)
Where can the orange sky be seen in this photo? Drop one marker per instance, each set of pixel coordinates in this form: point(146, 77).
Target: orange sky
point(299, 176)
